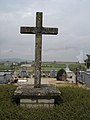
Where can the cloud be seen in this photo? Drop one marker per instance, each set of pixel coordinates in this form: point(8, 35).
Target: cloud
point(71, 17)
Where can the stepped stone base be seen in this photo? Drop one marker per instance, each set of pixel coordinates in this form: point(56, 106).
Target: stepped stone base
point(28, 96)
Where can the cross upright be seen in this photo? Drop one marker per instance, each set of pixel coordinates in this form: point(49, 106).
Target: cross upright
point(38, 31)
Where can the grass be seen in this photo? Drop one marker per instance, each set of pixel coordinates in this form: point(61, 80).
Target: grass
point(74, 105)
point(3, 67)
point(45, 66)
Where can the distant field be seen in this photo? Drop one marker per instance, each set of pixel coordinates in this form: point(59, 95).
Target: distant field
point(3, 67)
point(45, 67)
point(58, 66)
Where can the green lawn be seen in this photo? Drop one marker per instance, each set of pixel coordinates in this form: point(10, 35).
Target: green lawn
point(74, 105)
point(3, 67)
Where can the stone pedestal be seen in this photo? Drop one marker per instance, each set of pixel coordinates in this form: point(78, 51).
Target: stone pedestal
point(28, 96)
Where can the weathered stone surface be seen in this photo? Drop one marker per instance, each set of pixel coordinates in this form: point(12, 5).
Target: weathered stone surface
point(37, 105)
point(32, 103)
point(28, 30)
point(28, 91)
point(34, 30)
point(28, 96)
point(50, 31)
point(38, 30)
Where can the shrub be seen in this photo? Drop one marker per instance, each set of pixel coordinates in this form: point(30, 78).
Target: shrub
point(60, 74)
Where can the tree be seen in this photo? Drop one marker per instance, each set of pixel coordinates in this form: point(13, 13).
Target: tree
point(87, 61)
point(61, 73)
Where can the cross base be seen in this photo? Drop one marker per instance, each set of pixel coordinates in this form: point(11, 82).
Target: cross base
point(28, 96)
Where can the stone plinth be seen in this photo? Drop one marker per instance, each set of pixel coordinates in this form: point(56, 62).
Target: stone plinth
point(28, 96)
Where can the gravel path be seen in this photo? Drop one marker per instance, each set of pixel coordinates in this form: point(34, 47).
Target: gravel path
point(46, 80)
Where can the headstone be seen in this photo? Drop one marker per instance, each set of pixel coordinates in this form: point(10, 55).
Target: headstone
point(37, 95)
point(53, 73)
point(5, 77)
point(87, 77)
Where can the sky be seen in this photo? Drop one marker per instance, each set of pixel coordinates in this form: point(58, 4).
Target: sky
point(71, 17)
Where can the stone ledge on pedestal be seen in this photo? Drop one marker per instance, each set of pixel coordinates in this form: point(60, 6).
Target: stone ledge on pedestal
point(28, 96)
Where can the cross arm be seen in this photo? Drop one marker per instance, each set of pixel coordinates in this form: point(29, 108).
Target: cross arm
point(51, 31)
point(27, 30)
point(33, 30)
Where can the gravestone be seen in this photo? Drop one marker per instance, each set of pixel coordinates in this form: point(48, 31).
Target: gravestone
point(37, 94)
point(53, 73)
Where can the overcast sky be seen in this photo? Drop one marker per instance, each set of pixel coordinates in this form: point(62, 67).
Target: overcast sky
point(71, 17)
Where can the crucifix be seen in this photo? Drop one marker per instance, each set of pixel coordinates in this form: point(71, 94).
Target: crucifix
point(38, 31)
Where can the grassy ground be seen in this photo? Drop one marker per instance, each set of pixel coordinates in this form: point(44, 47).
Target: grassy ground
point(74, 105)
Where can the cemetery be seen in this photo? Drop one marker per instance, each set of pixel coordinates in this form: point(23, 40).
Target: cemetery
point(34, 92)
point(37, 94)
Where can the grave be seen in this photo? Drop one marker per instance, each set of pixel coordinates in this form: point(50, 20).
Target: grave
point(83, 77)
point(53, 73)
point(5, 77)
point(37, 94)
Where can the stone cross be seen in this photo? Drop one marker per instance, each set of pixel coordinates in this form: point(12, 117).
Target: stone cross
point(38, 31)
